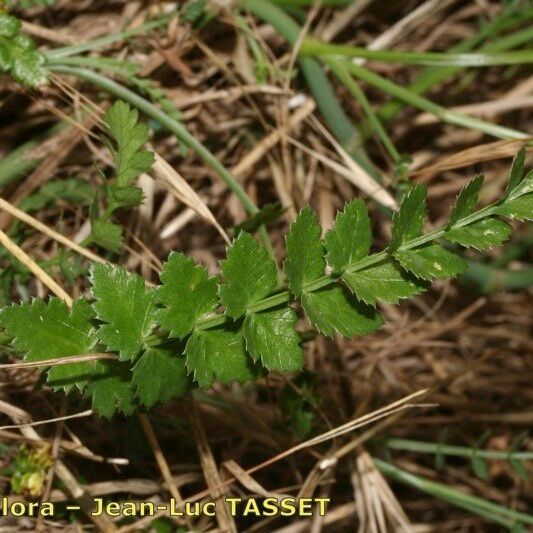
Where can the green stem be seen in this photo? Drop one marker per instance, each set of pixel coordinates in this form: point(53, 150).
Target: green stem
point(493, 511)
point(455, 451)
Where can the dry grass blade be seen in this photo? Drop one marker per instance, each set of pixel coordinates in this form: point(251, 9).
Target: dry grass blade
point(179, 187)
point(83, 414)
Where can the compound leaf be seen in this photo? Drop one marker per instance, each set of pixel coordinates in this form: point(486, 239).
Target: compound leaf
point(407, 223)
point(218, 353)
point(159, 375)
point(110, 389)
point(351, 237)
point(49, 331)
point(334, 310)
point(466, 200)
point(385, 281)
point(480, 235)
point(431, 261)
point(127, 307)
point(187, 293)
point(271, 337)
point(130, 135)
point(305, 253)
point(249, 275)
point(519, 209)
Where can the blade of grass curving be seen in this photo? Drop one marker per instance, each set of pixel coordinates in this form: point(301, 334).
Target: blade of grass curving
point(451, 117)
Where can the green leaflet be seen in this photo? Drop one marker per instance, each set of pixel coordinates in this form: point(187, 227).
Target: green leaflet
point(431, 261)
point(126, 196)
point(480, 235)
point(407, 223)
point(127, 307)
point(351, 237)
point(159, 375)
point(385, 281)
point(130, 135)
point(271, 337)
point(187, 294)
point(49, 331)
point(18, 55)
point(334, 310)
point(524, 187)
point(305, 253)
point(517, 171)
point(518, 209)
point(107, 235)
point(249, 275)
point(110, 389)
point(466, 201)
point(218, 353)
point(72, 189)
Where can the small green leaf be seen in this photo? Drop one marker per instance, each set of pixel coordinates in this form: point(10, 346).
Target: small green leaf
point(334, 310)
point(524, 187)
point(130, 135)
point(187, 293)
point(49, 331)
point(479, 466)
point(385, 281)
point(351, 237)
point(159, 375)
point(127, 196)
point(431, 261)
point(517, 171)
point(305, 253)
point(249, 275)
point(127, 307)
point(107, 235)
point(466, 201)
point(27, 68)
point(519, 209)
point(480, 235)
point(218, 353)
point(9, 25)
point(110, 389)
point(271, 337)
point(407, 223)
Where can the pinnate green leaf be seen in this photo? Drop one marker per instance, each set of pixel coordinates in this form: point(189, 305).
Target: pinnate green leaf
point(407, 223)
point(249, 275)
point(519, 209)
point(466, 201)
point(431, 261)
point(127, 196)
point(218, 353)
point(334, 310)
point(305, 252)
point(159, 375)
point(187, 294)
point(351, 237)
point(110, 389)
point(385, 281)
point(480, 235)
point(49, 331)
point(130, 135)
point(126, 306)
point(271, 338)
